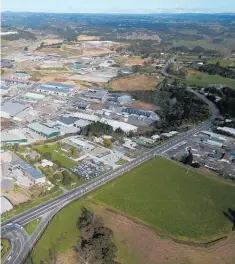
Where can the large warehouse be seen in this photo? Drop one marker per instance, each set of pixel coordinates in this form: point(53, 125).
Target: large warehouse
point(11, 109)
point(43, 131)
point(55, 88)
point(13, 136)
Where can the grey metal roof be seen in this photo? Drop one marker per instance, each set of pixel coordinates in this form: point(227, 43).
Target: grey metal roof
point(29, 169)
point(53, 89)
point(82, 123)
point(60, 85)
point(98, 94)
point(13, 108)
point(41, 128)
point(68, 120)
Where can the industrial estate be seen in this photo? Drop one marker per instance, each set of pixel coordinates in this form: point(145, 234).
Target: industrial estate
point(79, 111)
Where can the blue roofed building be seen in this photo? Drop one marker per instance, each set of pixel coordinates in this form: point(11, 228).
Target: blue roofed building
point(35, 176)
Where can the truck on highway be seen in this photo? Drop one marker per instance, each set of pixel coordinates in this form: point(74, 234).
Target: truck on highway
point(16, 225)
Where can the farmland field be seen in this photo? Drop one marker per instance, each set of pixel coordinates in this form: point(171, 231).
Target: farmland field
point(204, 79)
point(162, 195)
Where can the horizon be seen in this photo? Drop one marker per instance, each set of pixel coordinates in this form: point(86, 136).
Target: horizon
point(170, 12)
point(120, 7)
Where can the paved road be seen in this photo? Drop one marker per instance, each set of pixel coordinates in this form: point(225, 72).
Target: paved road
point(49, 208)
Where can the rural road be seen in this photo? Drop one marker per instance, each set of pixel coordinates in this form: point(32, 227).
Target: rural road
point(48, 209)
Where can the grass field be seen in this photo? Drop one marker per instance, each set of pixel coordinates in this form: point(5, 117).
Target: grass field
point(5, 246)
point(204, 79)
point(225, 62)
point(56, 154)
point(162, 195)
point(61, 234)
point(159, 194)
point(30, 227)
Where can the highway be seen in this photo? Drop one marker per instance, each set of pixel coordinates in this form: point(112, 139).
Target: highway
point(51, 207)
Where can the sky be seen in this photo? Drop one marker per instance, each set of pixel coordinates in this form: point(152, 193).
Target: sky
point(117, 6)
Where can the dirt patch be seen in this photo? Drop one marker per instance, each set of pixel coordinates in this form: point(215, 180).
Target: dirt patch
point(134, 83)
point(16, 197)
point(6, 123)
point(86, 37)
point(68, 257)
point(148, 248)
point(131, 61)
point(145, 106)
point(96, 51)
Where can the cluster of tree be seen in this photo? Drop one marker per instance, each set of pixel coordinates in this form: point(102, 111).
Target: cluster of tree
point(144, 48)
point(194, 50)
point(96, 244)
point(226, 104)
point(178, 106)
point(214, 69)
point(99, 129)
point(172, 69)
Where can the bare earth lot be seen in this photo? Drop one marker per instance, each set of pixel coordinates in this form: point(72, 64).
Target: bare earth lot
point(134, 83)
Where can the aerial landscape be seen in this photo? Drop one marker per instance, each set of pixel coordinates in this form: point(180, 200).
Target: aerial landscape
point(117, 133)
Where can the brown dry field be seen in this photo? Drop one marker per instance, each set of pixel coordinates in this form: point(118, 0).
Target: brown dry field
point(134, 83)
point(16, 197)
point(145, 106)
point(86, 37)
point(6, 123)
point(131, 61)
point(56, 77)
point(143, 246)
point(96, 51)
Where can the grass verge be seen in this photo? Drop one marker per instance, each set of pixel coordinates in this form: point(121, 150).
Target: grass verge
point(30, 227)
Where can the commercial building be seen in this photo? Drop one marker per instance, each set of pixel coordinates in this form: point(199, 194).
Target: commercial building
point(43, 130)
point(30, 172)
point(54, 88)
point(13, 136)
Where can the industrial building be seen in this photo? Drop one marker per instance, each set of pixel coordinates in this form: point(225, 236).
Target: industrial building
point(96, 93)
point(54, 88)
point(67, 120)
point(140, 112)
point(118, 124)
point(6, 64)
point(227, 130)
point(30, 172)
point(10, 109)
point(82, 143)
point(43, 130)
point(13, 136)
point(20, 76)
point(5, 205)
